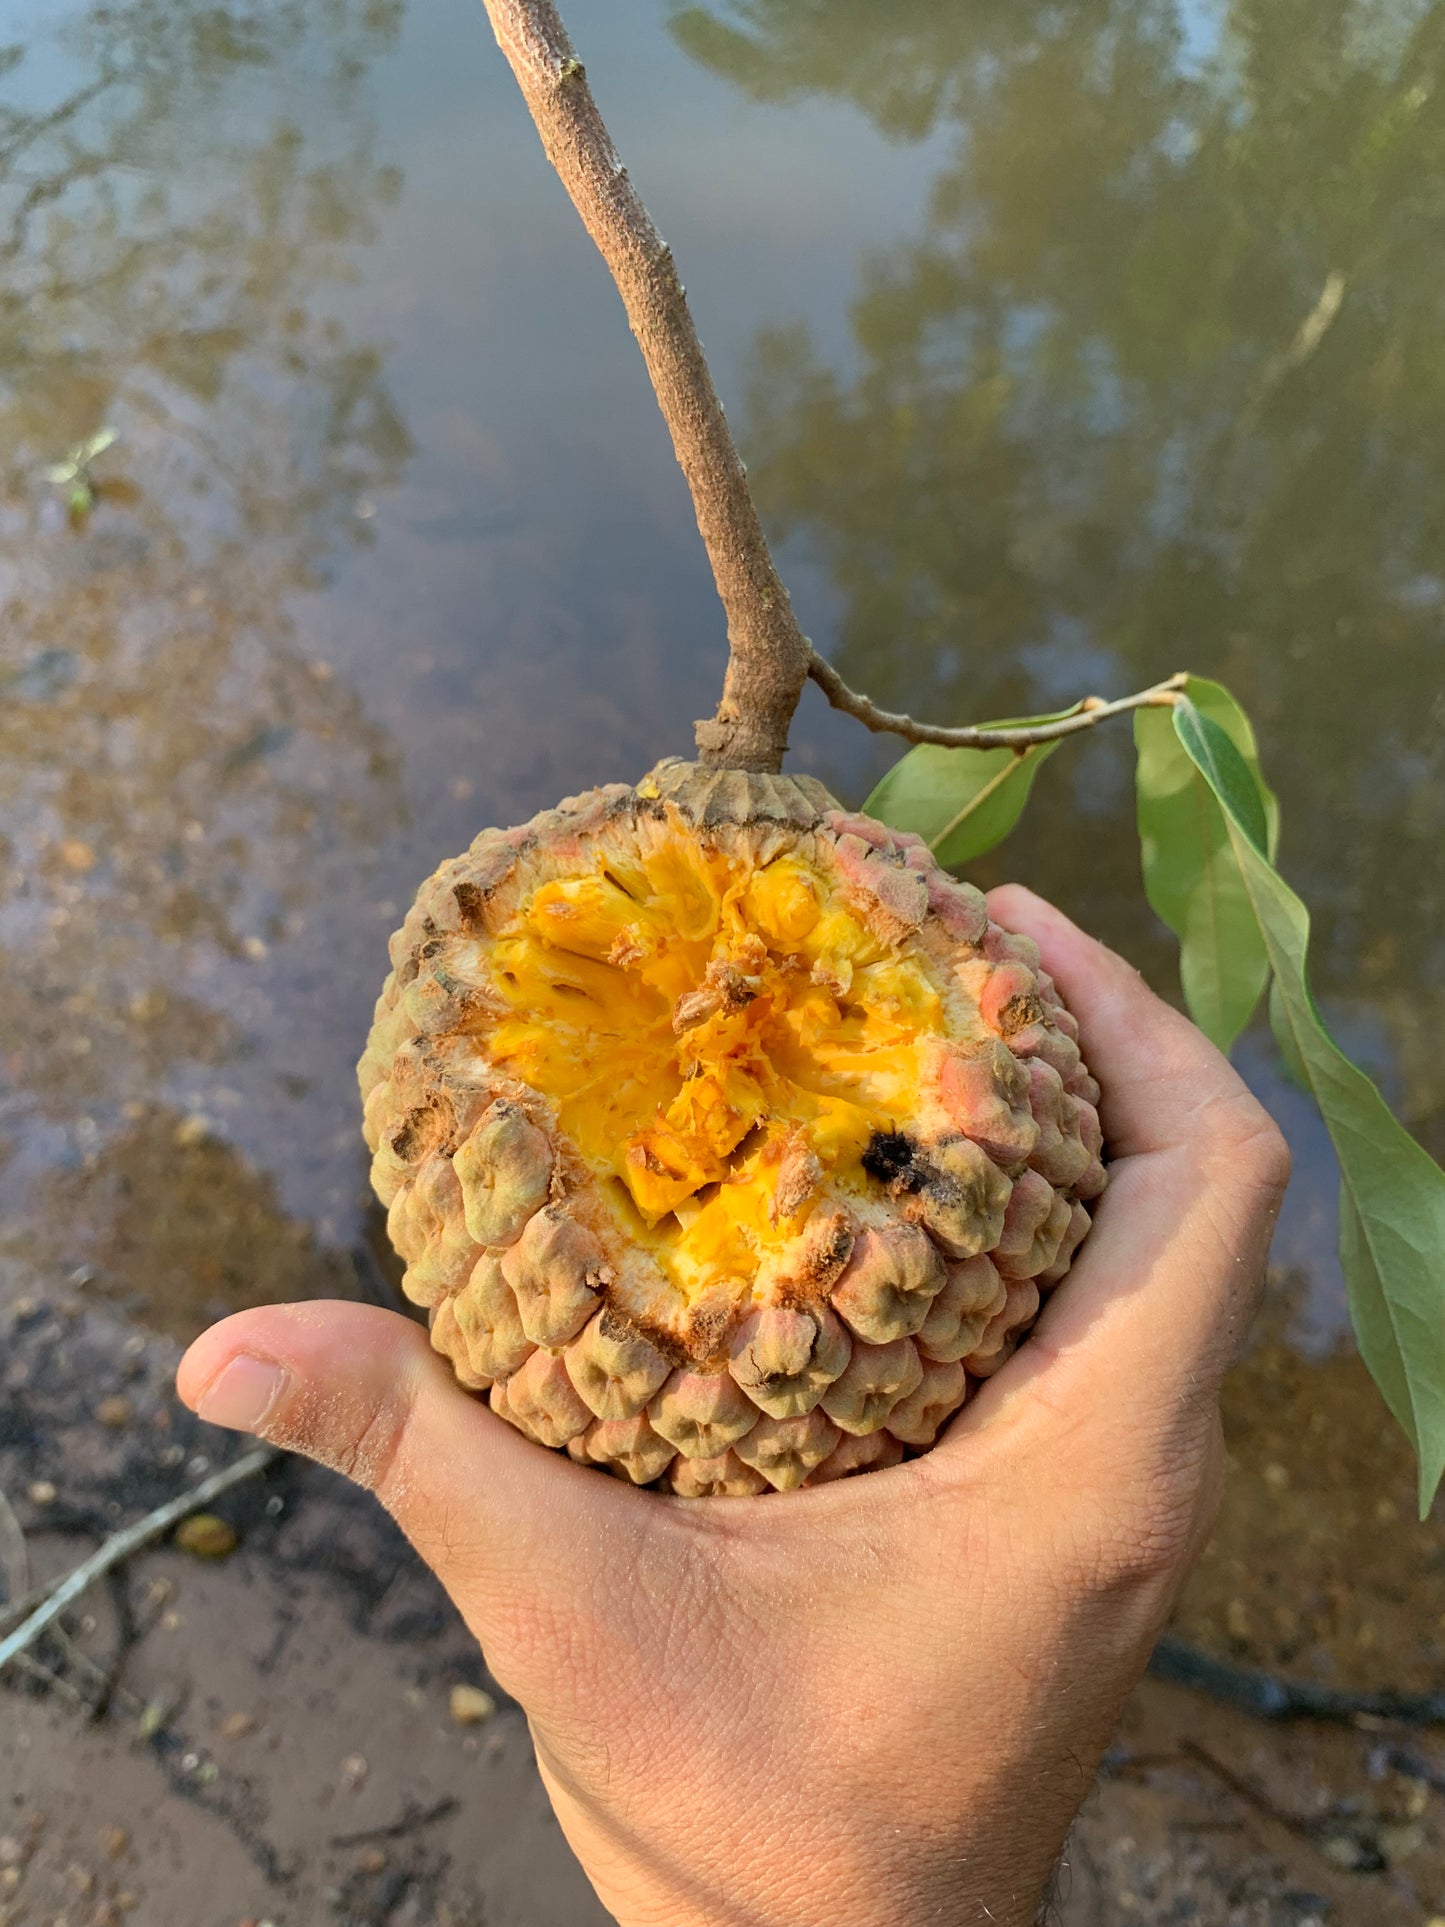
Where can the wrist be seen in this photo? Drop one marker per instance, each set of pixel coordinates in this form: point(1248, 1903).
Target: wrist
point(661, 1878)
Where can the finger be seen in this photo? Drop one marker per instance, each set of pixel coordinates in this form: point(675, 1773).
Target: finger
point(360, 1390)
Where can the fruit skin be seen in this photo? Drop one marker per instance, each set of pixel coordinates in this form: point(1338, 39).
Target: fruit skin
point(876, 1269)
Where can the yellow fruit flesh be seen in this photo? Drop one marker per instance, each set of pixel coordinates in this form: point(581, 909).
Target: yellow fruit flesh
point(717, 1039)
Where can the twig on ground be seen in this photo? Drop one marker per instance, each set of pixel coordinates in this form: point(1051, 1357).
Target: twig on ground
point(15, 1562)
point(14, 1552)
point(53, 1682)
point(1327, 1833)
point(1271, 1698)
point(411, 1821)
point(1083, 715)
point(129, 1540)
point(14, 1610)
point(1414, 1766)
point(1245, 1790)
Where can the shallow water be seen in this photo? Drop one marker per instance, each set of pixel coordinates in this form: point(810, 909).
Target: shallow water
point(1068, 348)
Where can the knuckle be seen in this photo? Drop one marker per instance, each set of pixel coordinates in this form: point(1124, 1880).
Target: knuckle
point(371, 1457)
point(1147, 1540)
point(1246, 1140)
point(1145, 1552)
point(363, 1443)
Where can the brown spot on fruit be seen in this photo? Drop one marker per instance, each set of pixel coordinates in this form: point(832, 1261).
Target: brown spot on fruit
point(962, 1198)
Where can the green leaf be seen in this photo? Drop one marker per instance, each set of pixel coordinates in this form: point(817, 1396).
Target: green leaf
point(1392, 1193)
point(1212, 752)
point(1191, 877)
point(961, 801)
point(1284, 1037)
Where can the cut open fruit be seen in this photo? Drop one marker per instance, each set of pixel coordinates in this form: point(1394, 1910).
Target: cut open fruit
point(716, 1126)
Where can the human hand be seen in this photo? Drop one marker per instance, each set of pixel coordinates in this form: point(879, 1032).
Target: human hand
point(880, 1701)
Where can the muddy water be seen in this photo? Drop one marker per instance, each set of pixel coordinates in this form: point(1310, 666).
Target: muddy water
point(1069, 347)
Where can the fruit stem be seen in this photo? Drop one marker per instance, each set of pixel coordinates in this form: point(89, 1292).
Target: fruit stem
point(768, 655)
point(1084, 714)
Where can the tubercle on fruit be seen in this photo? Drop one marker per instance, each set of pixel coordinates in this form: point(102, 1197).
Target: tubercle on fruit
point(725, 1138)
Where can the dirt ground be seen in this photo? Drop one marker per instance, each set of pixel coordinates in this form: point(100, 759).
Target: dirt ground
point(269, 1737)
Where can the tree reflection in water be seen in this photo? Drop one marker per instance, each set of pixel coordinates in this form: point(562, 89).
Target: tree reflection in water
point(174, 769)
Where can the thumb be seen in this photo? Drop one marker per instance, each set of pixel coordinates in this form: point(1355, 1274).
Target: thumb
point(361, 1391)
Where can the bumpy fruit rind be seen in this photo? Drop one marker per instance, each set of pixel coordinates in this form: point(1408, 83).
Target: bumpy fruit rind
point(725, 1138)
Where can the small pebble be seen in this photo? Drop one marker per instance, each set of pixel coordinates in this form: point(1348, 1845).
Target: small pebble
point(154, 1715)
point(191, 1131)
point(113, 1841)
point(354, 1769)
point(1355, 1855)
point(77, 856)
point(205, 1536)
point(235, 1726)
point(12, 1854)
point(10, 1878)
point(114, 1411)
point(470, 1705)
point(1402, 1841)
point(41, 1492)
point(371, 1860)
